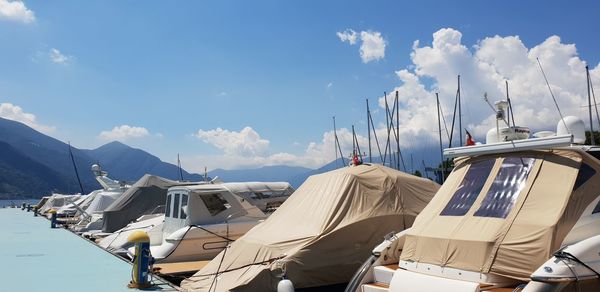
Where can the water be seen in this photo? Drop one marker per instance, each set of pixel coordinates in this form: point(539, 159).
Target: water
point(8, 203)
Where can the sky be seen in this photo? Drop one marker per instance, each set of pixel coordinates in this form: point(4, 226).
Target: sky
point(243, 84)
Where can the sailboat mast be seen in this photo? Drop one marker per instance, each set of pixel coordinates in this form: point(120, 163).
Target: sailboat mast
point(398, 134)
point(459, 114)
point(437, 98)
point(75, 167)
point(587, 72)
point(369, 130)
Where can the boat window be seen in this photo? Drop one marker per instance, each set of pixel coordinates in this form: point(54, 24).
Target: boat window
point(215, 203)
point(184, 202)
point(168, 208)
point(597, 208)
point(469, 188)
point(176, 206)
point(585, 173)
point(506, 187)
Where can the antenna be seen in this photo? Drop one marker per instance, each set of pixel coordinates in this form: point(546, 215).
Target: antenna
point(510, 108)
point(179, 166)
point(552, 94)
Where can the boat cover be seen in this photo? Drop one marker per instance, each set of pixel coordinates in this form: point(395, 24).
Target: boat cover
point(504, 214)
point(322, 233)
point(144, 197)
point(55, 201)
point(102, 200)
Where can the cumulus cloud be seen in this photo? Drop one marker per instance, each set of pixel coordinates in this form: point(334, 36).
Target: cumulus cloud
point(16, 113)
point(484, 67)
point(124, 132)
point(246, 142)
point(57, 57)
point(246, 149)
point(15, 11)
point(372, 46)
point(348, 35)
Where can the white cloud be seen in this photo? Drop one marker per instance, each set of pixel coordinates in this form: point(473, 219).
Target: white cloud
point(246, 142)
point(124, 132)
point(247, 149)
point(483, 68)
point(372, 46)
point(16, 113)
point(329, 85)
point(57, 57)
point(16, 11)
point(348, 35)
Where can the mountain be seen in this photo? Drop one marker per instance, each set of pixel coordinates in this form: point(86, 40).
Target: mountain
point(129, 164)
point(267, 173)
point(33, 164)
point(50, 153)
point(20, 174)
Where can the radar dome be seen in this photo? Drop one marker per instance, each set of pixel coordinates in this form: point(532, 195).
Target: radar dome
point(574, 126)
point(95, 167)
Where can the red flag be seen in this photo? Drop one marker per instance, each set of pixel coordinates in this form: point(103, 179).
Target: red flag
point(470, 141)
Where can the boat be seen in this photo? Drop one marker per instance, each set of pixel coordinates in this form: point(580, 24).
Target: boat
point(515, 213)
point(56, 201)
point(320, 235)
point(201, 220)
point(89, 211)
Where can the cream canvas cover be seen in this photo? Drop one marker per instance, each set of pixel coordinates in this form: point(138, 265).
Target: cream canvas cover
point(322, 233)
point(531, 212)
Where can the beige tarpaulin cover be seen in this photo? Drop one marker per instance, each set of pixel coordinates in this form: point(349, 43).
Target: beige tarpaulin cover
point(323, 232)
point(543, 213)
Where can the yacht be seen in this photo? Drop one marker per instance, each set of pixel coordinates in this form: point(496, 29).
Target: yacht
point(516, 213)
point(318, 237)
point(201, 220)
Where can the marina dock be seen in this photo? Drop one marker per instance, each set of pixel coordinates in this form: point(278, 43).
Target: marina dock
point(35, 257)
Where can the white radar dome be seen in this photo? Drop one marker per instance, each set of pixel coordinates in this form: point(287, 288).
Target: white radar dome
point(95, 167)
point(575, 126)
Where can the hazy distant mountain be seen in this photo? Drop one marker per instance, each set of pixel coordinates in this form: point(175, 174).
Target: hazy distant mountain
point(20, 174)
point(33, 164)
point(267, 173)
point(127, 163)
point(51, 153)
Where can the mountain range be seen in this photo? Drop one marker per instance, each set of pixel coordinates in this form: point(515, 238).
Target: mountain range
point(33, 164)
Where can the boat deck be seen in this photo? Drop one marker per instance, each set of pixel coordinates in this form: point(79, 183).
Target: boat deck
point(35, 257)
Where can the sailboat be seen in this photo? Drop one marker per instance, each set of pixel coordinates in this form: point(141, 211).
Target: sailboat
point(515, 213)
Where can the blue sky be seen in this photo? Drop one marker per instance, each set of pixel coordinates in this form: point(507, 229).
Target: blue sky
point(174, 68)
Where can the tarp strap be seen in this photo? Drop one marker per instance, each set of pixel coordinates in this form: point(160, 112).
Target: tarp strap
point(244, 266)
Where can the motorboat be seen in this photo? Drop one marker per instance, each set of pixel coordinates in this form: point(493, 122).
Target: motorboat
point(201, 220)
point(318, 237)
point(515, 213)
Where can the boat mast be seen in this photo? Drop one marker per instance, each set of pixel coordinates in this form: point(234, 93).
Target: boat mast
point(75, 167)
point(398, 134)
point(369, 130)
point(440, 136)
point(179, 166)
point(337, 143)
point(459, 114)
point(510, 109)
point(587, 72)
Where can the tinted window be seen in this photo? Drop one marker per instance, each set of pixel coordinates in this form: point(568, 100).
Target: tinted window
point(184, 202)
point(469, 188)
point(168, 208)
point(176, 206)
point(506, 187)
point(584, 174)
point(215, 203)
point(597, 208)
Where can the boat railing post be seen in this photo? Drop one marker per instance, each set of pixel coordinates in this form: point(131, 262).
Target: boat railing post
point(141, 260)
point(35, 211)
